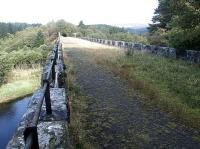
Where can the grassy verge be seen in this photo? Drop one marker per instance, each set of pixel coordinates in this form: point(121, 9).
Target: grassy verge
point(21, 82)
point(78, 112)
point(172, 85)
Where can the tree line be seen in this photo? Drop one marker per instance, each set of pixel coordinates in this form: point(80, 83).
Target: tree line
point(95, 31)
point(12, 28)
point(24, 49)
point(31, 45)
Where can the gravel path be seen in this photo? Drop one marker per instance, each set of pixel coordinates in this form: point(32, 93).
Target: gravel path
point(117, 119)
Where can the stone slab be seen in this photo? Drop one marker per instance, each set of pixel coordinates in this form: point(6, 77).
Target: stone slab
point(53, 129)
point(50, 135)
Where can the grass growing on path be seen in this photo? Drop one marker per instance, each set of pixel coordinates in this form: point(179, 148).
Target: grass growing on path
point(172, 85)
point(78, 105)
point(21, 82)
point(89, 121)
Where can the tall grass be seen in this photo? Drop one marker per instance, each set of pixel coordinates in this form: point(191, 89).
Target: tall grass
point(21, 82)
point(172, 85)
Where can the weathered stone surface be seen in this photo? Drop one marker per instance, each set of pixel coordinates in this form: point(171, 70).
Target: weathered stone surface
point(193, 56)
point(130, 46)
point(138, 46)
point(50, 135)
point(59, 106)
point(52, 129)
point(165, 51)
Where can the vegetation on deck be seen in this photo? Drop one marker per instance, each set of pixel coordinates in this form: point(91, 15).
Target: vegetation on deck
point(172, 85)
point(161, 84)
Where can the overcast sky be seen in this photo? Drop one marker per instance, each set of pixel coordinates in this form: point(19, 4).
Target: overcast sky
point(113, 12)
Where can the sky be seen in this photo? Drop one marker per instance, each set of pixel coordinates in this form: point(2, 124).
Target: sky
point(112, 12)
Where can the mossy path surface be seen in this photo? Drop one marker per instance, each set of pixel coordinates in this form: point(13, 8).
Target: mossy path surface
point(115, 116)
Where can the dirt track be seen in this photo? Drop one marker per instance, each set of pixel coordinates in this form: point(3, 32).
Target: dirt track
point(116, 117)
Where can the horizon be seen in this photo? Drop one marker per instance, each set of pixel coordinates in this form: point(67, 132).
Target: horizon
point(136, 26)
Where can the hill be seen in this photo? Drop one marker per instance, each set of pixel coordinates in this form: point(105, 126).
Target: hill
point(138, 31)
point(12, 28)
point(108, 32)
point(106, 28)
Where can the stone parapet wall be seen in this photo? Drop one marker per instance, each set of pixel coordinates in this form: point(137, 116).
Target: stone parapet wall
point(131, 46)
point(45, 123)
point(193, 56)
point(190, 55)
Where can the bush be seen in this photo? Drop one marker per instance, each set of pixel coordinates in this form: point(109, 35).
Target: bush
point(5, 67)
point(64, 34)
point(28, 58)
point(25, 49)
point(39, 39)
point(185, 38)
point(160, 37)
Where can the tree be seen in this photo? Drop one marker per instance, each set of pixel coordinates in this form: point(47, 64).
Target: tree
point(185, 25)
point(81, 24)
point(39, 40)
point(61, 25)
point(177, 23)
point(12, 28)
point(162, 15)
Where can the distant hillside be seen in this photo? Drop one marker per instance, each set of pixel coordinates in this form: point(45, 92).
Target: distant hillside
point(106, 28)
point(110, 29)
point(108, 32)
point(12, 28)
point(101, 27)
point(138, 31)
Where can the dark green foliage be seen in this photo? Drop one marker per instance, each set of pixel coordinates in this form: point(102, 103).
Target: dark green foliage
point(128, 37)
point(65, 28)
point(114, 30)
point(177, 24)
point(163, 15)
point(106, 28)
point(185, 32)
point(25, 49)
point(5, 66)
point(26, 57)
point(12, 28)
point(138, 31)
point(188, 39)
point(81, 24)
point(110, 32)
point(64, 34)
point(159, 37)
point(39, 40)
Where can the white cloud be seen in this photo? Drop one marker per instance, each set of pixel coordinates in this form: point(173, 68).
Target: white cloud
point(113, 12)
